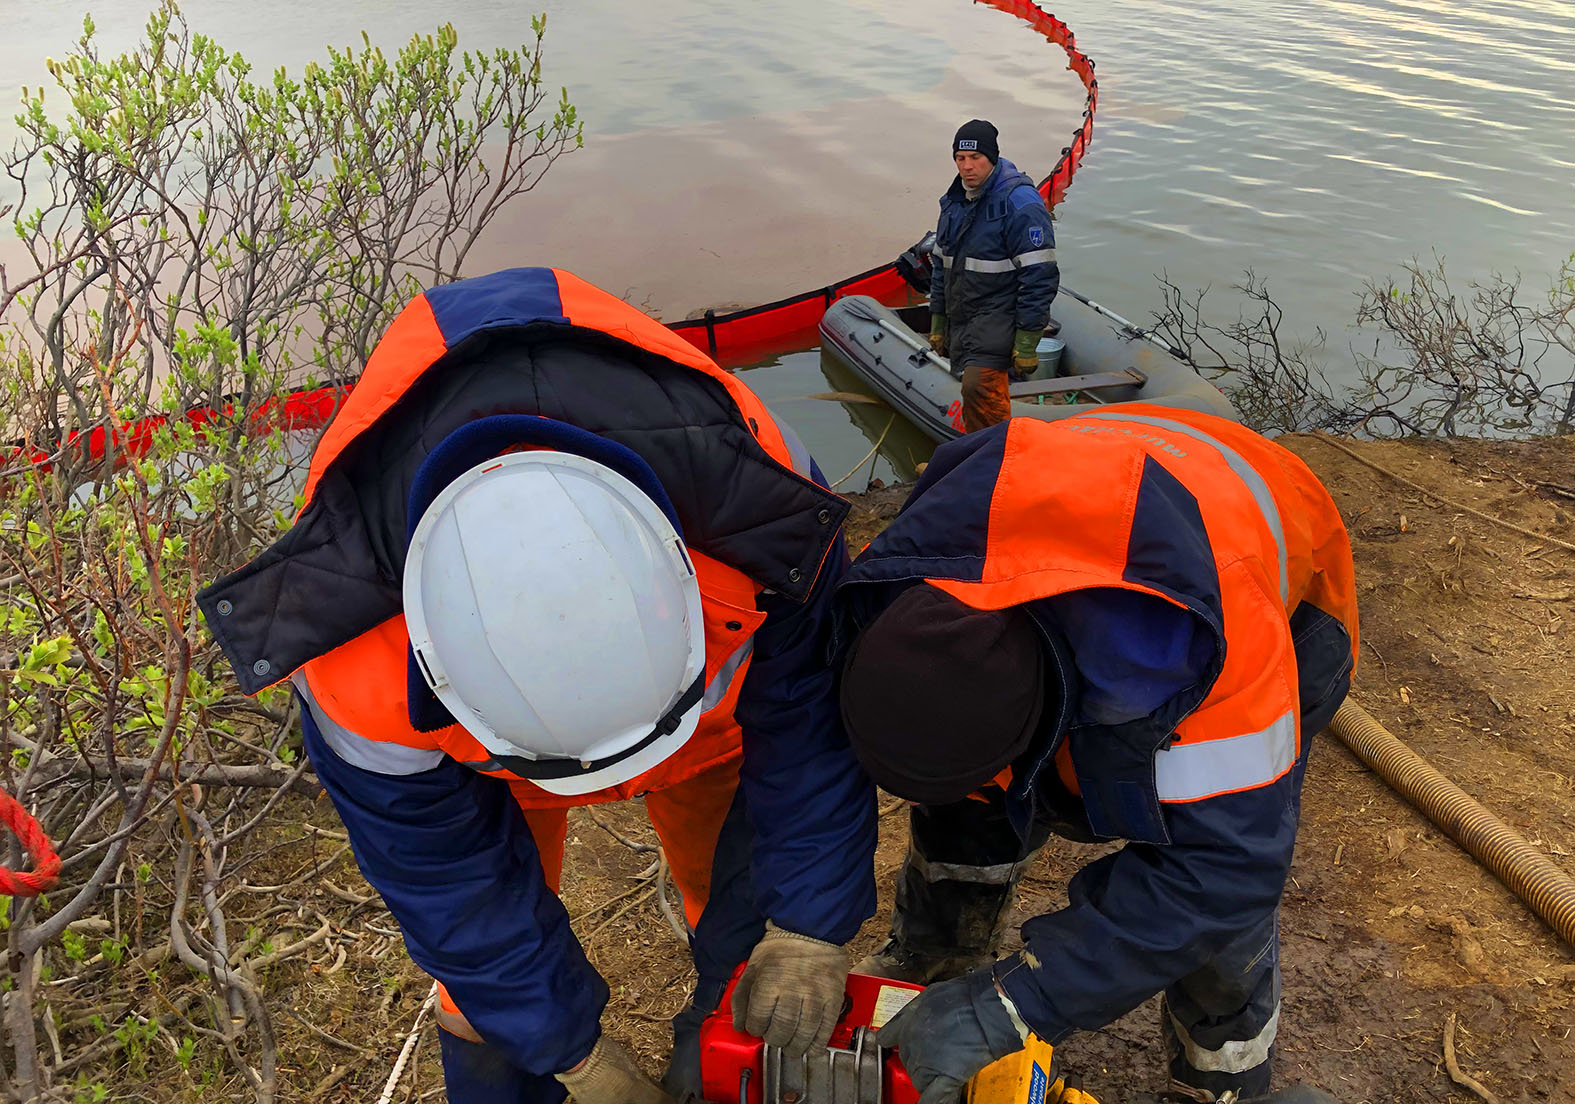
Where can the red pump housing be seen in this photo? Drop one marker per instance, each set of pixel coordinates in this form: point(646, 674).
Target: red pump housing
point(733, 1064)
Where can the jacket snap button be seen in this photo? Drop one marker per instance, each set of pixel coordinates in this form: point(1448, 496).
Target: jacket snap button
point(225, 607)
point(734, 626)
point(794, 575)
point(261, 667)
point(824, 516)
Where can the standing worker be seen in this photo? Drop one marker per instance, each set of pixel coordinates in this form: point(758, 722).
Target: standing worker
point(551, 555)
point(994, 274)
point(1125, 625)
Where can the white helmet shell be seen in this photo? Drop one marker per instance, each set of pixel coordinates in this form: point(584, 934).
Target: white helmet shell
point(552, 609)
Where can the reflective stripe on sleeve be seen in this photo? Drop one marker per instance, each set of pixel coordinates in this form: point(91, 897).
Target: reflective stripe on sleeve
point(1033, 257)
point(1191, 772)
point(376, 756)
point(1238, 466)
point(939, 256)
point(718, 687)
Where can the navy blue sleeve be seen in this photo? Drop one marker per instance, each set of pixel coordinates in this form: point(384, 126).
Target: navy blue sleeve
point(1147, 916)
point(455, 863)
point(811, 807)
point(1030, 236)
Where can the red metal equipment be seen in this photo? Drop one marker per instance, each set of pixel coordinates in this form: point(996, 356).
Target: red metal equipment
point(736, 1068)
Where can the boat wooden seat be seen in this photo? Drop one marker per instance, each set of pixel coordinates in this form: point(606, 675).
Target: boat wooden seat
point(1028, 389)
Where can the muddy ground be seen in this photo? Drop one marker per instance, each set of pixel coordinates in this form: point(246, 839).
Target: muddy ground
point(1388, 926)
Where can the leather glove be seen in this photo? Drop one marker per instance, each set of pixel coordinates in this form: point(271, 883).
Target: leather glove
point(609, 1076)
point(791, 992)
point(938, 333)
point(1025, 351)
point(950, 1032)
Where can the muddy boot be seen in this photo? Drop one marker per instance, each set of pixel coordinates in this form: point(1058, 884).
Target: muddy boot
point(953, 893)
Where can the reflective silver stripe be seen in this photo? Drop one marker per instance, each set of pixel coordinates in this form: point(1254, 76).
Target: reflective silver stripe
point(798, 455)
point(1189, 772)
point(1232, 1056)
point(1242, 470)
point(942, 257)
point(1022, 260)
point(999, 874)
point(372, 755)
point(717, 688)
point(1018, 1024)
point(974, 264)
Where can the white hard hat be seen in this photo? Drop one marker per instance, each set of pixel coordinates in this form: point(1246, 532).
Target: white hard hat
point(552, 609)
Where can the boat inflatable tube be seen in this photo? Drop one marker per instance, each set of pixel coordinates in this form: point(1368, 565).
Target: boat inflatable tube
point(1105, 361)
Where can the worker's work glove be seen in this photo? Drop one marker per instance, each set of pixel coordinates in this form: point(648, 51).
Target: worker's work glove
point(609, 1076)
point(950, 1032)
point(938, 333)
point(1025, 351)
point(791, 992)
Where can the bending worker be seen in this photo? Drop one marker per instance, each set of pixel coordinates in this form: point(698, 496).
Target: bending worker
point(550, 556)
point(994, 274)
point(1147, 663)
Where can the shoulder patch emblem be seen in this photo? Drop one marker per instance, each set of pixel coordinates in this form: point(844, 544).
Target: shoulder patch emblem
point(1036, 236)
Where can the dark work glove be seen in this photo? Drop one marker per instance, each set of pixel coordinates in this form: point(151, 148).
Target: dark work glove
point(950, 1032)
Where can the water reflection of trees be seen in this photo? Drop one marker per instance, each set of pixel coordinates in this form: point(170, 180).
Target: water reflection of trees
point(1435, 360)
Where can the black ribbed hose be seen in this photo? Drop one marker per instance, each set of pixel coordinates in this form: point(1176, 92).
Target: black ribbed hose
point(1526, 871)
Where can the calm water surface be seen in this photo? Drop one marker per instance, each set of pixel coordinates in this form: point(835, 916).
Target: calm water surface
point(737, 152)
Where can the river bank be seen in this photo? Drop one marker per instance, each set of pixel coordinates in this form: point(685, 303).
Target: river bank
point(1388, 928)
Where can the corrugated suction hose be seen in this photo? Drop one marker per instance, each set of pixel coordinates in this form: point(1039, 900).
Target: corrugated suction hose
point(1534, 879)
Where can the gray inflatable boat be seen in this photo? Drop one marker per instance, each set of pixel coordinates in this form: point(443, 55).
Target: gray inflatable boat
point(1105, 361)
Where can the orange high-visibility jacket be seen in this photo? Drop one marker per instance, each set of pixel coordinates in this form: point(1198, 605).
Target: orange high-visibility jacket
point(452, 861)
point(1195, 587)
point(752, 515)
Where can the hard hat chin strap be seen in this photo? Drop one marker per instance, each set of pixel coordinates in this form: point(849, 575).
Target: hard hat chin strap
point(553, 769)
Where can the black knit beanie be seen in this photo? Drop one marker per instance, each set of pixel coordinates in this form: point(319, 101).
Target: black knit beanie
point(979, 136)
point(938, 696)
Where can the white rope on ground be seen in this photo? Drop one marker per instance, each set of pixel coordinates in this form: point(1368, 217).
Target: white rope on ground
point(889, 422)
point(409, 1047)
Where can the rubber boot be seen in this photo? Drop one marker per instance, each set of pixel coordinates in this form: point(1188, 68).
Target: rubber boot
point(954, 892)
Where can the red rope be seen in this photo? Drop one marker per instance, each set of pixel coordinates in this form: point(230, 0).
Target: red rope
point(46, 864)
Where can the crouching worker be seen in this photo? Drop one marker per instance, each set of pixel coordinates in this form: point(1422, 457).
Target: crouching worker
point(1124, 625)
point(551, 556)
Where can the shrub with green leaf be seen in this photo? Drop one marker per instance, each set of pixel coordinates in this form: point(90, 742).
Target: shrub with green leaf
point(194, 234)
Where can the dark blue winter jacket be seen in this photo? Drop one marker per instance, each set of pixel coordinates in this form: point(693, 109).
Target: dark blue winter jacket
point(995, 256)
